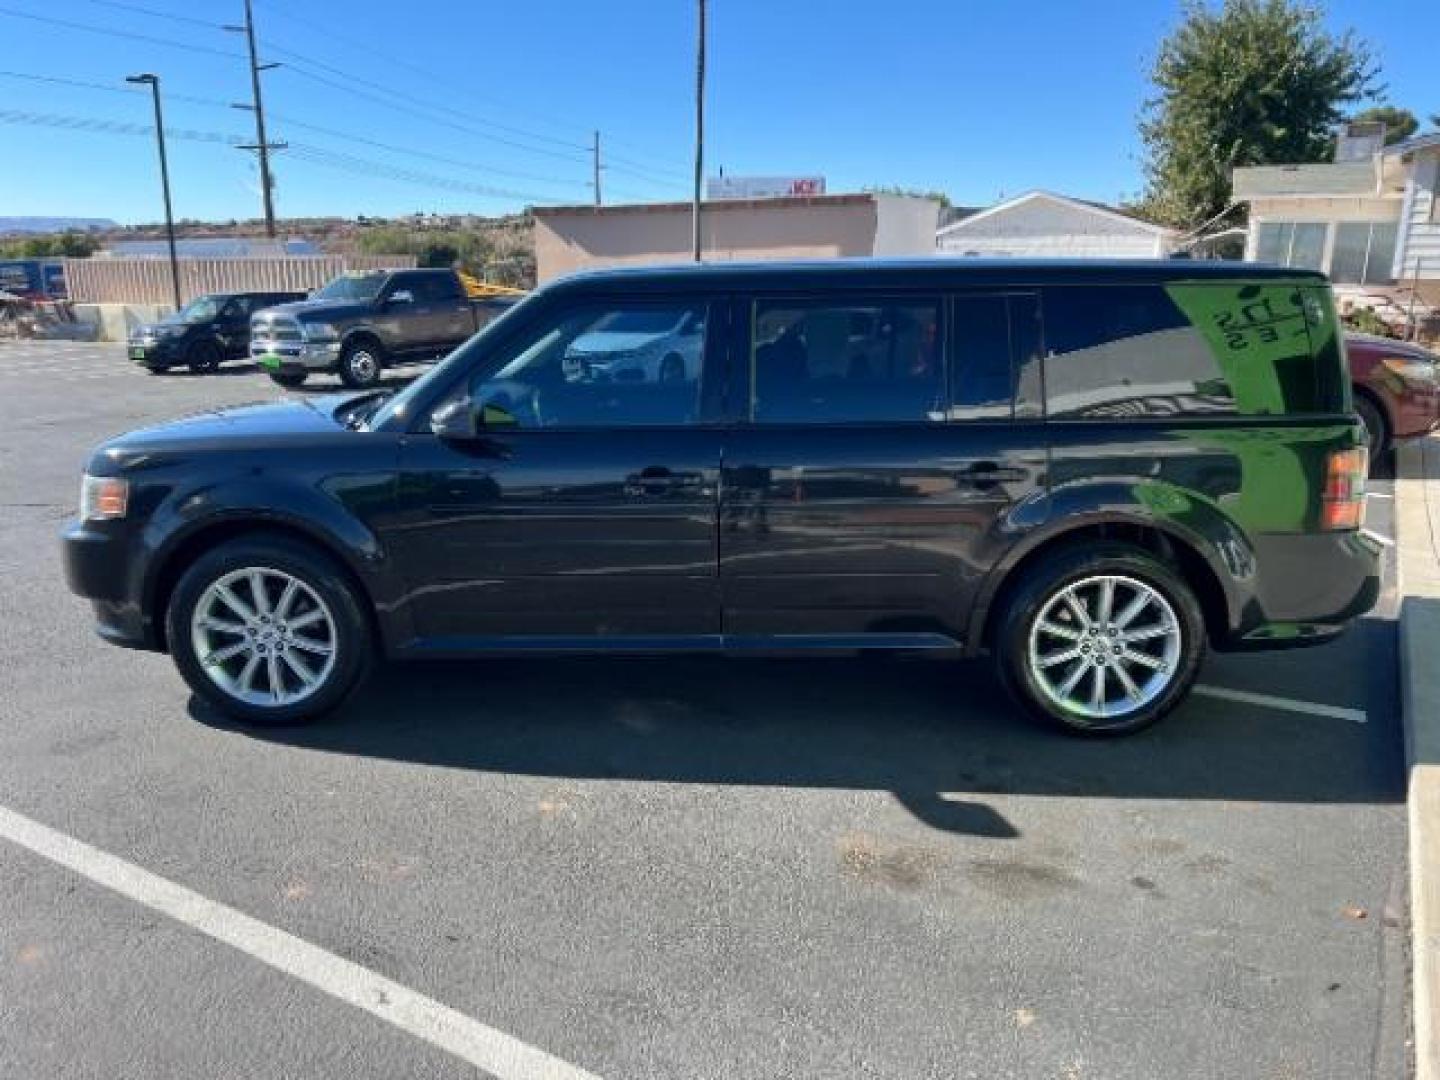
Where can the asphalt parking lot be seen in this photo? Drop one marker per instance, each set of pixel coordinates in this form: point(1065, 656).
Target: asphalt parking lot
point(683, 868)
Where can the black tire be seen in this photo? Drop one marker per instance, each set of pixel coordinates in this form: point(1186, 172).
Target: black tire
point(672, 368)
point(361, 363)
point(1377, 431)
point(289, 380)
point(348, 630)
point(157, 370)
point(1044, 583)
point(204, 357)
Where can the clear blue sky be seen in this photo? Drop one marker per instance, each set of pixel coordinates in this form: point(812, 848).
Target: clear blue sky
point(975, 99)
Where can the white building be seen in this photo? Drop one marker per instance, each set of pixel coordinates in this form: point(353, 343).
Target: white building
point(1042, 224)
point(1370, 219)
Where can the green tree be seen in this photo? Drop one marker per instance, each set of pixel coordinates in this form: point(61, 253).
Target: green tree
point(1399, 123)
point(1254, 82)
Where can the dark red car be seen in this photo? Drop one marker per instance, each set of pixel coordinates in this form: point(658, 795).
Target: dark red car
point(1396, 390)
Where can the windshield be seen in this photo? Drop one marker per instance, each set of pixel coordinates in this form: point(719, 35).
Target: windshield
point(637, 322)
point(351, 287)
point(398, 406)
point(201, 309)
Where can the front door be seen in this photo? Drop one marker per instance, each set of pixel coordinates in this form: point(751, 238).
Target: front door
point(586, 506)
point(883, 441)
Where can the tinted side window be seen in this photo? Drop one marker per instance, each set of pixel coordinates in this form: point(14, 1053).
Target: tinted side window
point(619, 365)
point(995, 362)
point(436, 287)
point(837, 362)
point(1128, 351)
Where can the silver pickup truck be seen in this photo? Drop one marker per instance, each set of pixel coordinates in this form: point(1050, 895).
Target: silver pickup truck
point(361, 322)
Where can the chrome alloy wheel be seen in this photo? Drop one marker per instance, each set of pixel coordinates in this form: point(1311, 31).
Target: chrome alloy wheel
point(1105, 646)
point(264, 637)
point(363, 365)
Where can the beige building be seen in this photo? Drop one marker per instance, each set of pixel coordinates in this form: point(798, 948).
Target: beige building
point(569, 238)
point(1370, 219)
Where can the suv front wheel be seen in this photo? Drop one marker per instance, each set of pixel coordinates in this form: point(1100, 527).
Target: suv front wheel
point(267, 630)
point(1101, 640)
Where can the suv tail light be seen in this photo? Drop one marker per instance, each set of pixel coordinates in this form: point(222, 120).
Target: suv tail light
point(1342, 505)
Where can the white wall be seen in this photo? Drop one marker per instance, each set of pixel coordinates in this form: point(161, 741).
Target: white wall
point(1044, 228)
point(905, 225)
point(1420, 228)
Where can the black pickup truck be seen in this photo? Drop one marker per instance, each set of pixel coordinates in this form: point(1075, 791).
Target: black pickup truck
point(361, 322)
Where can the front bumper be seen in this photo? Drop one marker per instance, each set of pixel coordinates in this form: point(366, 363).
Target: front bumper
point(158, 353)
point(96, 559)
point(295, 357)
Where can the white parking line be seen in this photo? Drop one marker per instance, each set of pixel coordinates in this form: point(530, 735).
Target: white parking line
point(502, 1056)
point(1312, 708)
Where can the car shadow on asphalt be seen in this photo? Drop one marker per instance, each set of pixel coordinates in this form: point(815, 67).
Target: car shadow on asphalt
point(941, 736)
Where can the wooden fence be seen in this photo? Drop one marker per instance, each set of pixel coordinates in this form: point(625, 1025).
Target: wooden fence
point(147, 281)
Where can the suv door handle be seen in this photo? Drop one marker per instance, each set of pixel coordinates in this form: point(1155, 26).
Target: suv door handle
point(652, 482)
point(988, 473)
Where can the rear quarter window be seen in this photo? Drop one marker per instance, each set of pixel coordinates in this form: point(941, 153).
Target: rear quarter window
point(1191, 349)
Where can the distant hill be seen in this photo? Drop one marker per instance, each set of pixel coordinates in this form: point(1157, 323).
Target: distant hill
point(14, 225)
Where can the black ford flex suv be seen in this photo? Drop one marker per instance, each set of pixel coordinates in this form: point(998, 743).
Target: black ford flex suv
point(204, 333)
point(1091, 471)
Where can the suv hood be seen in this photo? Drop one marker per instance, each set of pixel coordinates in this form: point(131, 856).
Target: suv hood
point(220, 429)
point(318, 310)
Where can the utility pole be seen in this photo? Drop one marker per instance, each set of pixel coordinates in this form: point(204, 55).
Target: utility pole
point(261, 146)
point(699, 129)
point(153, 81)
point(597, 170)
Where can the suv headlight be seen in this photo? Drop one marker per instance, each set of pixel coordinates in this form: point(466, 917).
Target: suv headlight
point(318, 331)
point(103, 498)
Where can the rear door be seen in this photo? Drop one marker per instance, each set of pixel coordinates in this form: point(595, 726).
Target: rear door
point(882, 440)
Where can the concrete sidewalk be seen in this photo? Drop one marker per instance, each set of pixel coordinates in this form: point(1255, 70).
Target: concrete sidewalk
point(1417, 517)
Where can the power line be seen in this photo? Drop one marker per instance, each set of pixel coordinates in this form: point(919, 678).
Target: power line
point(90, 28)
point(410, 111)
point(315, 155)
point(429, 73)
point(139, 10)
point(294, 122)
point(579, 151)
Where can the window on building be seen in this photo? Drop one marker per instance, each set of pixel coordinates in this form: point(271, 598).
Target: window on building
point(1300, 244)
point(1364, 252)
point(859, 362)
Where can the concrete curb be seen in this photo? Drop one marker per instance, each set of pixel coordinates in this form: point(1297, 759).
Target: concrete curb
point(1417, 523)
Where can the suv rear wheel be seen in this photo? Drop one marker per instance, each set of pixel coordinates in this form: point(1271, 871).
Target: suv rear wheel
point(268, 631)
point(1101, 640)
point(360, 364)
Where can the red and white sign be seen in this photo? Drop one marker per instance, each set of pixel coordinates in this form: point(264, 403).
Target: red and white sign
point(763, 187)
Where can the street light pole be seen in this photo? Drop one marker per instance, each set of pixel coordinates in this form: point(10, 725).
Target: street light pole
point(153, 81)
point(699, 130)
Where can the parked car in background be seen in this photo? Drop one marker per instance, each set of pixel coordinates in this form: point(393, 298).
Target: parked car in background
point(204, 333)
point(1397, 389)
point(1093, 472)
point(644, 346)
point(361, 322)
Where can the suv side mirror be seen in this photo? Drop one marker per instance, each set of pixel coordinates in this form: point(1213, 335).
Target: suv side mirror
point(401, 296)
point(460, 420)
point(455, 421)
